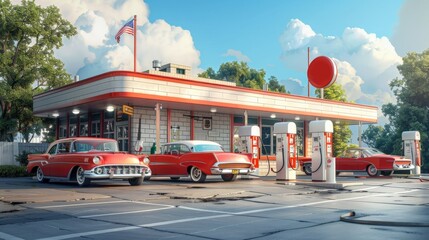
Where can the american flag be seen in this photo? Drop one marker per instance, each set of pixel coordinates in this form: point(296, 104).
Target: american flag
point(127, 28)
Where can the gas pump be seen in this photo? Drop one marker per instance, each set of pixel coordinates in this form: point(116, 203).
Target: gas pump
point(322, 163)
point(286, 152)
point(411, 141)
point(249, 140)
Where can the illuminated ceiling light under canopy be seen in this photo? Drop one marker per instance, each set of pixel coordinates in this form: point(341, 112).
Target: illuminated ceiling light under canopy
point(273, 115)
point(75, 111)
point(110, 108)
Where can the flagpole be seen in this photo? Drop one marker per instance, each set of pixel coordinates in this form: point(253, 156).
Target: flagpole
point(135, 36)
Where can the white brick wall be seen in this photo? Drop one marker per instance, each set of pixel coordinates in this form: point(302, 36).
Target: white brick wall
point(220, 132)
point(177, 119)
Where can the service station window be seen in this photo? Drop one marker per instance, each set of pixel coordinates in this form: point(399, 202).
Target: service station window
point(83, 125)
point(109, 125)
point(63, 128)
point(73, 126)
point(95, 125)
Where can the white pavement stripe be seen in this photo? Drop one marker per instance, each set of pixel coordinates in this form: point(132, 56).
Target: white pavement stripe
point(9, 237)
point(203, 210)
point(122, 213)
point(75, 235)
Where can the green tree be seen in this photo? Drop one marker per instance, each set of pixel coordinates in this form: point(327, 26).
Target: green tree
point(274, 85)
point(238, 72)
point(28, 36)
point(342, 132)
point(411, 111)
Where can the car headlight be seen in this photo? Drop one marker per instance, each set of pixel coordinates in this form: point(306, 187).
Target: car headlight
point(96, 160)
point(146, 160)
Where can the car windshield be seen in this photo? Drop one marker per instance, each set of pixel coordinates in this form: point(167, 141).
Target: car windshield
point(95, 145)
point(372, 151)
point(207, 148)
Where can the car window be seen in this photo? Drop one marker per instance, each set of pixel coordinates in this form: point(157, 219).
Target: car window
point(109, 146)
point(53, 150)
point(165, 149)
point(184, 149)
point(82, 146)
point(207, 148)
point(64, 147)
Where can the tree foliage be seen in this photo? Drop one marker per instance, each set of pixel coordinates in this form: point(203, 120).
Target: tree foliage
point(411, 111)
point(243, 75)
point(342, 132)
point(28, 36)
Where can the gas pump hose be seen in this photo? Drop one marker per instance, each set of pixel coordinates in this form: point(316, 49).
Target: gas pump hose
point(283, 158)
point(320, 165)
point(268, 159)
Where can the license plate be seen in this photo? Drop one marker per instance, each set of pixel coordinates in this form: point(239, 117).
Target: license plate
point(235, 171)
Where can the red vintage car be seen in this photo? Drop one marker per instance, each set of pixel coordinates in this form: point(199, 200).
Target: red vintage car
point(371, 160)
point(198, 159)
point(84, 159)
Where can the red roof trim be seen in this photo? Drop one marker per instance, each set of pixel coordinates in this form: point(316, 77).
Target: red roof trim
point(191, 82)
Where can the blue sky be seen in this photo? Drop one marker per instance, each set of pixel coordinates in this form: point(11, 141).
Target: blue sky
point(366, 38)
point(253, 27)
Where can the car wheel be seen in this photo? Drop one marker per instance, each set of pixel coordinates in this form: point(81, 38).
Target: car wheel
point(372, 171)
point(174, 178)
point(136, 181)
point(81, 179)
point(41, 176)
point(386, 173)
point(197, 175)
point(307, 168)
point(229, 177)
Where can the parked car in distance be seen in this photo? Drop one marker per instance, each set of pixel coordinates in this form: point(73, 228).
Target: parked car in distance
point(369, 160)
point(83, 159)
point(198, 159)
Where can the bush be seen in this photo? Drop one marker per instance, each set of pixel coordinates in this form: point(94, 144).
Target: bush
point(22, 158)
point(13, 171)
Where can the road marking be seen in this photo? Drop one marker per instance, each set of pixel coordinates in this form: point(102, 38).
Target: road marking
point(157, 224)
point(9, 237)
point(203, 210)
point(101, 203)
point(122, 213)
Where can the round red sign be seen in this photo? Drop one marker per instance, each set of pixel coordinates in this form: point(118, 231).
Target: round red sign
point(322, 72)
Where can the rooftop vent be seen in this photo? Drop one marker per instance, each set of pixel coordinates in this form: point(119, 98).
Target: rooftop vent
point(156, 64)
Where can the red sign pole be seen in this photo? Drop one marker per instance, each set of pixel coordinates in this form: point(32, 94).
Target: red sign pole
point(135, 37)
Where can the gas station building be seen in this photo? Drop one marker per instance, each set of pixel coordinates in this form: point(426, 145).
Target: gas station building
point(128, 106)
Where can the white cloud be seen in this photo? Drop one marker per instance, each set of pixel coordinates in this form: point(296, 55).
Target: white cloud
point(366, 63)
point(411, 34)
point(94, 50)
point(237, 54)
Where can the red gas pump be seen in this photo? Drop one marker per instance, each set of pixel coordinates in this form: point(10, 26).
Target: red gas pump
point(249, 136)
point(321, 132)
point(286, 151)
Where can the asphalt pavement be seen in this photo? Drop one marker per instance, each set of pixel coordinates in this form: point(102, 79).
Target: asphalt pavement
point(355, 207)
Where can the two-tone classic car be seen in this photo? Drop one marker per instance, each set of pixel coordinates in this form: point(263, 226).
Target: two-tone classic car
point(83, 159)
point(369, 160)
point(198, 159)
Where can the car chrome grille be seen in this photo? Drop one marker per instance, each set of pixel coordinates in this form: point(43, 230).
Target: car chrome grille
point(119, 170)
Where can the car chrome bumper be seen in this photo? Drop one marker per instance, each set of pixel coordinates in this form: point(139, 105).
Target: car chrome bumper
point(216, 171)
point(397, 167)
point(116, 172)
